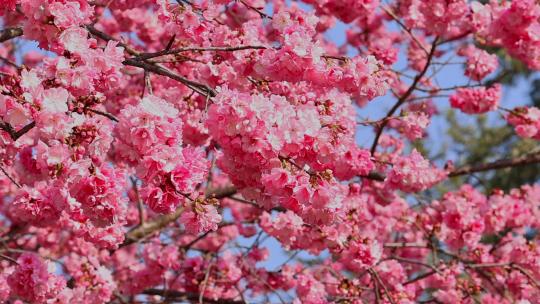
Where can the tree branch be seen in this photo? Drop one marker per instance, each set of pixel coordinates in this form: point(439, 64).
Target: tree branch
point(9, 177)
point(10, 33)
point(107, 37)
point(161, 222)
point(16, 134)
point(153, 67)
point(255, 9)
point(404, 97)
point(532, 158)
point(104, 114)
point(145, 56)
point(390, 13)
point(160, 70)
point(375, 275)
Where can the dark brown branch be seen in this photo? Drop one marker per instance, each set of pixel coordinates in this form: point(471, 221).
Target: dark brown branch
point(404, 97)
point(204, 235)
point(153, 67)
point(160, 70)
point(104, 114)
point(411, 261)
point(527, 274)
point(419, 277)
point(257, 10)
point(106, 37)
point(533, 158)
point(8, 258)
point(16, 134)
point(376, 176)
point(9, 177)
point(10, 33)
point(145, 56)
point(11, 63)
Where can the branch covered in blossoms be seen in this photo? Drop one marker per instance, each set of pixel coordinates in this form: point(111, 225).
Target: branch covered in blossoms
point(220, 151)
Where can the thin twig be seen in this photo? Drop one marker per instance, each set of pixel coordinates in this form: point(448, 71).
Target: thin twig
point(404, 97)
point(107, 37)
point(148, 83)
point(104, 114)
point(257, 10)
point(205, 281)
point(7, 258)
point(160, 70)
point(404, 27)
point(16, 134)
point(153, 67)
point(527, 274)
point(10, 33)
point(411, 261)
point(10, 178)
point(381, 283)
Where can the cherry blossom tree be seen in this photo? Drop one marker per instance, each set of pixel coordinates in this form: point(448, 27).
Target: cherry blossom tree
point(160, 151)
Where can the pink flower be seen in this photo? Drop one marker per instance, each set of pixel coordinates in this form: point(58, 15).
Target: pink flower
point(190, 171)
point(526, 121)
point(202, 218)
point(94, 283)
point(285, 226)
point(310, 290)
point(55, 100)
point(33, 281)
point(448, 296)
point(479, 62)
point(161, 200)
point(361, 255)
point(413, 173)
point(476, 101)
point(75, 40)
point(5, 290)
point(9, 5)
point(411, 124)
point(70, 13)
point(153, 121)
point(39, 206)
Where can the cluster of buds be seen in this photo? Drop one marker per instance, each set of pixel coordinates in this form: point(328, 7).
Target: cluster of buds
point(80, 135)
point(83, 104)
point(10, 85)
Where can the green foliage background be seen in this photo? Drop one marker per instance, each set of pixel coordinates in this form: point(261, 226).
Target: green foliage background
point(480, 141)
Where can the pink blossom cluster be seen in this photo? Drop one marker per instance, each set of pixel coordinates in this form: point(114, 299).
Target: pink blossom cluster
point(165, 151)
point(411, 124)
point(513, 25)
point(439, 17)
point(300, 58)
point(526, 121)
point(414, 173)
point(347, 11)
point(476, 100)
point(33, 281)
point(479, 62)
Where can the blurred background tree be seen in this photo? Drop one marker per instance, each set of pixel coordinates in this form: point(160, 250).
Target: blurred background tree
point(478, 141)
